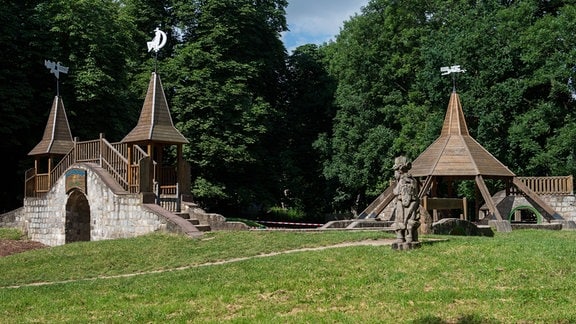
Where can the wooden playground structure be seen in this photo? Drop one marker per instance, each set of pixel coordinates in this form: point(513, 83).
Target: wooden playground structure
point(136, 163)
point(456, 156)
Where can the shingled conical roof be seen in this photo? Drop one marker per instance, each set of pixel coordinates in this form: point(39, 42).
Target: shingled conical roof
point(455, 152)
point(155, 123)
point(57, 138)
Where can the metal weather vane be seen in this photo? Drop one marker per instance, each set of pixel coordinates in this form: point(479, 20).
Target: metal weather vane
point(157, 43)
point(56, 68)
point(452, 70)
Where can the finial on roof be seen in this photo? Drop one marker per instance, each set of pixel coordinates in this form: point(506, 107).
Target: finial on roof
point(450, 70)
point(56, 68)
point(157, 43)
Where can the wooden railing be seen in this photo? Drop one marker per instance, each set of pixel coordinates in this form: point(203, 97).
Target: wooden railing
point(112, 157)
point(112, 161)
point(561, 185)
point(61, 167)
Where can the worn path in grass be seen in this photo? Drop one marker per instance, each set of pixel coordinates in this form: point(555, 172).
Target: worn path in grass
point(378, 242)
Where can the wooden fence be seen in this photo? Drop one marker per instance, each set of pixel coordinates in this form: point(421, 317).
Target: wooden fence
point(561, 185)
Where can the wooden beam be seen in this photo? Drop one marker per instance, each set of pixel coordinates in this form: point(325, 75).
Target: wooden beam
point(374, 209)
point(487, 197)
point(425, 187)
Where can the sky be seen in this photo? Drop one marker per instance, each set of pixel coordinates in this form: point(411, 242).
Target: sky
point(317, 21)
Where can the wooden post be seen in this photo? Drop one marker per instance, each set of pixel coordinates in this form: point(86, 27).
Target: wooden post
point(50, 172)
point(129, 148)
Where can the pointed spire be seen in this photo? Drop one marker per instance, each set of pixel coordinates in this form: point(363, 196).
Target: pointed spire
point(57, 138)
point(155, 122)
point(454, 122)
point(455, 152)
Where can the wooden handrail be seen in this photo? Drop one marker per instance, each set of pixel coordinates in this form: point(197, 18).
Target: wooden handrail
point(111, 157)
point(114, 162)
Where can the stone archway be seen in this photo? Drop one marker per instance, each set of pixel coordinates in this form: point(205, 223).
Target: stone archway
point(77, 226)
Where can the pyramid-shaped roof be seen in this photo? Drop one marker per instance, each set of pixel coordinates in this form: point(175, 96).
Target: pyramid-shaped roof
point(155, 122)
point(455, 152)
point(57, 138)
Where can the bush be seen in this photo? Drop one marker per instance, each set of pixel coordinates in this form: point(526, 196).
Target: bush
point(285, 214)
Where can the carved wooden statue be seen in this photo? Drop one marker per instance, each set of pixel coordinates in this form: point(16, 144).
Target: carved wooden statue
point(406, 213)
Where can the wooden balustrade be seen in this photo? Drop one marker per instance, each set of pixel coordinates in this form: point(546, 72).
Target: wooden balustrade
point(42, 182)
point(113, 157)
point(61, 167)
point(560, 185)
point(29, 182)
point(115, 163)
point(109, 156)
point(88, 151)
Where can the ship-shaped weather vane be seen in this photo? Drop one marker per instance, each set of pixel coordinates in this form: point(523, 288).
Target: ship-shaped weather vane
point(156, 44)
point(452, 70)
point(56, 68)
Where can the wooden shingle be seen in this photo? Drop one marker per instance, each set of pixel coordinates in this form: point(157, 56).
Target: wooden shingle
point(455, 152)
point(155, 122)
point(57, 138)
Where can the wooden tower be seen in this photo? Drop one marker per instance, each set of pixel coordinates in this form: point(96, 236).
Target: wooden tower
point(56, 142)
point(154, 132)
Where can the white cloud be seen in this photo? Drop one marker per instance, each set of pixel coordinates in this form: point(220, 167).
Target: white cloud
point(317, 21)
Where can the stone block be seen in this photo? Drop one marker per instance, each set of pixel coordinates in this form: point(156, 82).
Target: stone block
point(500, 226)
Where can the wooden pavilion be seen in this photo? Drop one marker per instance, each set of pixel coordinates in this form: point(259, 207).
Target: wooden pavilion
point(456, 156)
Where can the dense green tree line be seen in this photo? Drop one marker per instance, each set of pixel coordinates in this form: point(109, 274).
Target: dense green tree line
point(316, 129)
point(517, 92)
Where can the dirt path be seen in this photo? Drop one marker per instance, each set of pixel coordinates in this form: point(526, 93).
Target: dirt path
point(379, 242)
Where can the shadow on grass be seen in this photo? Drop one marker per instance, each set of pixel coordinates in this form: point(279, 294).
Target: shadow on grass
point(464, 319)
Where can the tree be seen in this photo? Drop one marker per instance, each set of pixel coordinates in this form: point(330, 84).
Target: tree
point(517, 92)
point(227, 75)
point(97, 43)
point(310, 111)
point(20, 92)
point(374, 59)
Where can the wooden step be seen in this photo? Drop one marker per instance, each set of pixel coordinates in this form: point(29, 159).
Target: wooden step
point(183, 215)
point(203, 228)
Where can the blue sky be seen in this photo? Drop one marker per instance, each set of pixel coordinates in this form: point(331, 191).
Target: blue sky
point(317, 21)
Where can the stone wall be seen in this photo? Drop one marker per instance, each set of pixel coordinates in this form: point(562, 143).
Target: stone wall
point(112, 214)
point(563, 205)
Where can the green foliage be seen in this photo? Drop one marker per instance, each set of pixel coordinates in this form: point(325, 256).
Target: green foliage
point(10, 234)
point(94, 39)
point(517, 92)
point(284, 214)
point(325, 122)
point(225, 76)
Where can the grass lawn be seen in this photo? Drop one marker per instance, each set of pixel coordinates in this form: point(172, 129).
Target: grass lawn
point(527, 276)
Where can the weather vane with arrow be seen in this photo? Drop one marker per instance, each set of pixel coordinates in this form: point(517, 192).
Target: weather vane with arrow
point(56, 68)
point(451, 70)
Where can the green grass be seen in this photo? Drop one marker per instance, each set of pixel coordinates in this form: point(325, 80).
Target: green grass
point(527, 276)
point(10, 234)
